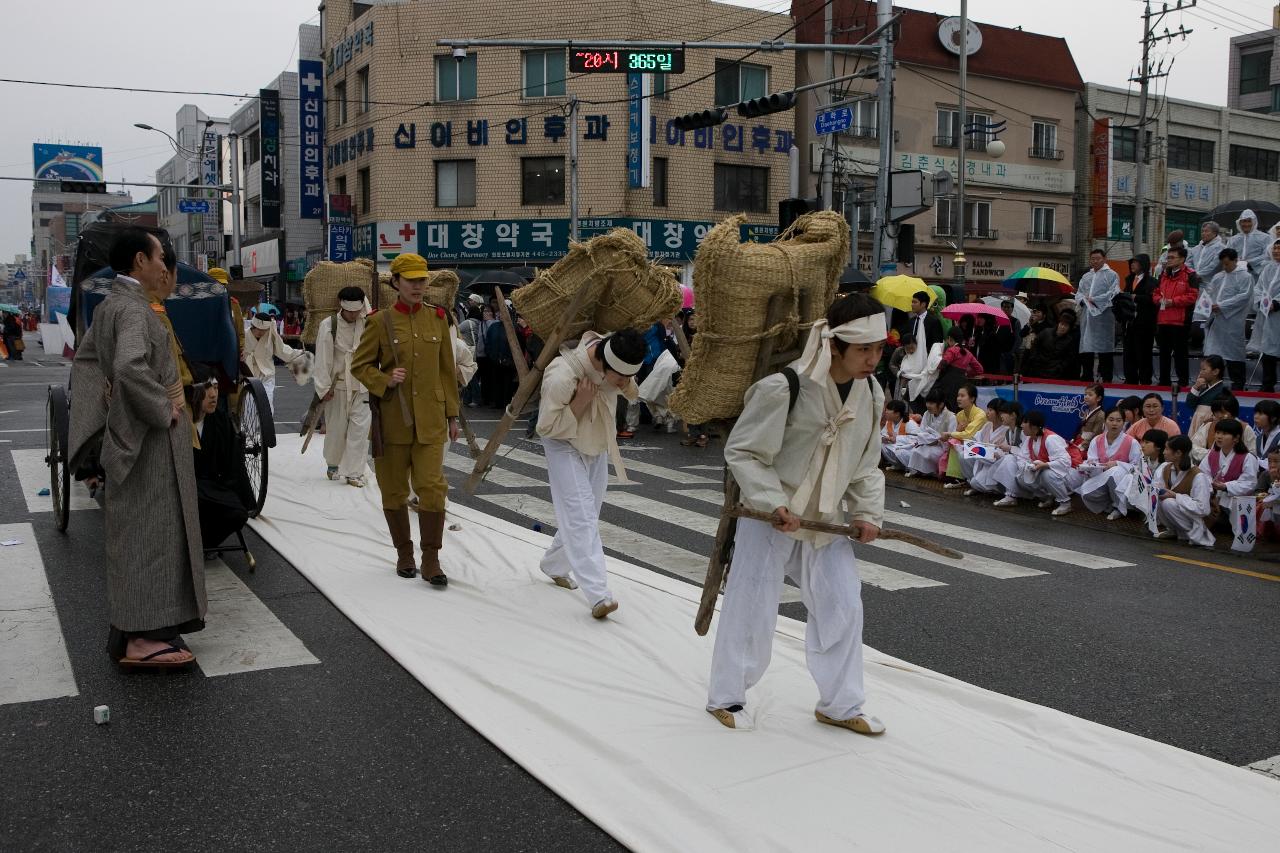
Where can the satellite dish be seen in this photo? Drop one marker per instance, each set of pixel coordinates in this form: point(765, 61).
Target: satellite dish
point(949, 35)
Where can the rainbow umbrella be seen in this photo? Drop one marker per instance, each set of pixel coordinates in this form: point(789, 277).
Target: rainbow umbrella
point(1040, 280)
point(895, 291)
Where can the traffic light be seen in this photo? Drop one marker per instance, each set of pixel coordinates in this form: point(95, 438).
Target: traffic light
point(82, 187)
point(704, 118)
point(776, 103)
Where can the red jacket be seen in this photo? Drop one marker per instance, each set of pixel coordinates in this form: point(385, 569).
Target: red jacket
point(1180, 289)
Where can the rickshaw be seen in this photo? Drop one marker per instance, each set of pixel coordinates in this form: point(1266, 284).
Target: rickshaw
point(200, 310)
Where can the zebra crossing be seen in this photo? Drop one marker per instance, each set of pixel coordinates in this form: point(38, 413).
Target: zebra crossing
point(693, 504)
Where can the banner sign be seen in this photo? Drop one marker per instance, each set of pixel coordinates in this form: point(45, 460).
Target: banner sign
point(1100, 178)
point(54, 162)
point(638, 161)
point(211, 228)
point(269, 99)
point(341, 229)
point(311, 143)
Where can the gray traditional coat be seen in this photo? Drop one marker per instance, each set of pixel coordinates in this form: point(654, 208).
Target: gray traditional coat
point(155, 560)
point(1098, 321)
point(1224, 330)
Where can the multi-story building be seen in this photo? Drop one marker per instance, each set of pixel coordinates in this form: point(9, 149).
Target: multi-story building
point(278, 255)
point(1199, 156)
point(1253, 76)
point(50, 245)
point(465, 159)
point(1017, 207)
point(197, 237)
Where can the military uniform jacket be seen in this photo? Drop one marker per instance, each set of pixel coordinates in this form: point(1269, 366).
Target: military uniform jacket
point(419, 343)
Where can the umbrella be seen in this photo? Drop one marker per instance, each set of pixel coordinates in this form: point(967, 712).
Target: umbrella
point(1227, 214)
point(10, 308)
point(977, 309)
point(1021, 312)
point(1040, 280)
point(853, 279)
point(487, 280)
point(527, 273)
point(686, 296)
point(895, 291)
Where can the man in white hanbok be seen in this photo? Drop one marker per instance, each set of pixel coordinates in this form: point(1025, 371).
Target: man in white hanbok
point(263, 345)
point(347, 416)
point(1098, 287)
point(1042, 470)
point(1226, 301)
point(818, 461)
point(1185, 493)
point(1110, 464)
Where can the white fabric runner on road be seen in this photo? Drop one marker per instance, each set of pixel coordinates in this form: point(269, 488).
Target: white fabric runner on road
point(610, 714)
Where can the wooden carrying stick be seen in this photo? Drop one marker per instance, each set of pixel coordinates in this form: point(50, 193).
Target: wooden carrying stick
point(841, 530)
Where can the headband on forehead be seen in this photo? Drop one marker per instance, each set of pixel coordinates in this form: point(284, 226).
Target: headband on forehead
point(616, 364)
point(864, 330)
point(262, 323)
point(351, 304)
point(815, 361)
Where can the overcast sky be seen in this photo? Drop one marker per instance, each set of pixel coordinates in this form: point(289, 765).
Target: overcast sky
point(239, 45)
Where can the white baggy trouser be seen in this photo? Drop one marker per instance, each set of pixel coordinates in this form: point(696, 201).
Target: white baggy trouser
point(346, 440)
point(831, 592)
point(577, 492)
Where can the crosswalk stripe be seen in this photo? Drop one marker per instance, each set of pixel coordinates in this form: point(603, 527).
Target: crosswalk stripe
point(537, 460)
point(497, 476)
point(678, 561)
point(696, 521)
point(515, 454)
point(971, 563)
point(241, 633)
point(33, 475)
point(892, 579)
point(33, 654)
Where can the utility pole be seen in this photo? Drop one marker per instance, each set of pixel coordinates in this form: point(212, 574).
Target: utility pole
point(828, 145)
point(573, 167)
point(882, 248)
point(1145, 75)
point(959, 260)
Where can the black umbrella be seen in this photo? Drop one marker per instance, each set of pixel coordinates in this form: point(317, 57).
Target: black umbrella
point(853, 279)
point(488, 279)
point(1227, 214)
point(527, 273)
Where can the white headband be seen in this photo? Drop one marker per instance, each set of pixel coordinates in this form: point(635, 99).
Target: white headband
point(351, 304)
point(815, 361)
point(616, 364)
point(262, 323)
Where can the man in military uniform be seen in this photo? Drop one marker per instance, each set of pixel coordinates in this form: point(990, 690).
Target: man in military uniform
point(405, 360)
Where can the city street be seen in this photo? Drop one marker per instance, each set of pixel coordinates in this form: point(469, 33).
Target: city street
point(300, 727)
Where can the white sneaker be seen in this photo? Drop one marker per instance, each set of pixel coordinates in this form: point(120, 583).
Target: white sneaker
point(1165, 534)
point(1006, 501)
point(1045, 504)
point(1114, 514)
point(912, 473)
point(1062, 509)
point(956, 485)
point(603, 608)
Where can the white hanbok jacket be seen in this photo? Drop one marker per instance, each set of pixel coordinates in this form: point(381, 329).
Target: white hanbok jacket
point(596, 431)
point(333, 355)
point(259, 354)
point(1186, 514)
point(1216, 465)
point(921, 370)
point(1109, 482)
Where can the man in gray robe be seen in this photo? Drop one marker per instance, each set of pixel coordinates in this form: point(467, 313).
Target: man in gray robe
point(128, 413)
point(1098, 287)
point(1228, 297)
point(1203, 259)
point(1250, 242)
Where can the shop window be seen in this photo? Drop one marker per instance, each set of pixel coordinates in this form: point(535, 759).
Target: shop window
point(542, 180)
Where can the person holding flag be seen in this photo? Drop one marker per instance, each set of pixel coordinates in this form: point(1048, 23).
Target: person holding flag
point(1111, 460)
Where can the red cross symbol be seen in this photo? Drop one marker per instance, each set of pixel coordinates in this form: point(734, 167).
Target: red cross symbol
point(407, 232)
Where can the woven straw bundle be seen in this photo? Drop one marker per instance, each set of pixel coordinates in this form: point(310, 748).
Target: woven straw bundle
point(321, 286)
point(732, 285)
point(627, 291)
point(442, 289)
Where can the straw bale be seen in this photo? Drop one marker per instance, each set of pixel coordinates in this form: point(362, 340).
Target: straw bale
point(321, 286)
point(626, 291)
point(732, 285)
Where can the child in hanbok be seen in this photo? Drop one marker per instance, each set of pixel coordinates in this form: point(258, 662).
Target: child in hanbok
point(984, 479)
point(1112, 456)
point(897, 434)
point(990, 434)
point(1045, 470)
point(937, 422)
point(1185, 494)
point(969, 419)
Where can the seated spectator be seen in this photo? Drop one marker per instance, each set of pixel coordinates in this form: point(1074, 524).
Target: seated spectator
point(222, 483)
point(992, 431)
point(1266, 419)
point(906, 348)
point(1153, 444)
point(1112, 457)
point(937, 422)
point(897, 434)
point(1055, 352)
point(1269, 506)
point(983, 480)
point(1207, 388)
point(1040, 469)
point(1232, 469)
point(1091, 419)
point(1185, 495)
point(969, 419)
point(1224, 407)
point(1131, 408)
point(1153, 418)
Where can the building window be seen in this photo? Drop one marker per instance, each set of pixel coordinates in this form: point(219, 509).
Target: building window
point(1043, 226)
point(977, 219)
point(543, 73)
point(44, 223)
point(1186, 152)
point(251, 145)
point(740, 81)
point(362, 91)
point(949, 130)
point(1255, 72)
point(866, 119)
point(342, 185)
point(660, 86)
point(455, 81)
point(358, 8)
point(658, 177)
point(73, 226)
point(1124, 145)
point(1186, 221)
point(1275, 99)
point(1044, 141)
point(1256, 163)
point(542, 180)
point(340, 104)
point(366, 192)
point(741, 189)
point(455, 183)
point(51, 206)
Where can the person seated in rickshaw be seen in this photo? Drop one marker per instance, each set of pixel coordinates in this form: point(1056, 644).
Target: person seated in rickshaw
point(263, 345)
point(222, 483)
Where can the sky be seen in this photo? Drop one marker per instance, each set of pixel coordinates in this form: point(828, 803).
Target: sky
point(237, 46)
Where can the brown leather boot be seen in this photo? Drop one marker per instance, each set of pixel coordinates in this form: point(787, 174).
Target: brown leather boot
point(431, 526)
point(402, 538)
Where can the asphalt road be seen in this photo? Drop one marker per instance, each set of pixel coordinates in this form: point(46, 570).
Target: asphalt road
point(352, 753)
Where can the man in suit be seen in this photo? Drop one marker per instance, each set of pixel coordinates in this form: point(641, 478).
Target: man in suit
point(921, 325)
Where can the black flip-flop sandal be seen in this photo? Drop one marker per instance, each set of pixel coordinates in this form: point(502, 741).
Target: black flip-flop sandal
point(150, 662)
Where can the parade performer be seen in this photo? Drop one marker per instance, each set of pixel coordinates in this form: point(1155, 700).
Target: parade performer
point(405, 360)
point(1185, 494)
point(1112, 457)
point(1227, 298)
point(576, 420)
point(1041, 469)
point(263, 345)
point(346, 411)
point(805, 461)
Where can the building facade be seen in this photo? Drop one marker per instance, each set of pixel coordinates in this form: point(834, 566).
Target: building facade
point(197, 237)
point(277, 255)
point(1253, 75)
point(56, 220)
point(1199, 156)
point(480, 175)
point(1018, 206)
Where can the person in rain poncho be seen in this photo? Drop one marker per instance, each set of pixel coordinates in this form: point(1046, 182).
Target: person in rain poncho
point(1250, 242)
point(263, 345)
point(1098, 287)
point(1266, 297)
point(816, 460)
point(1226, 300)
point(346, 414)
point(1203, 259)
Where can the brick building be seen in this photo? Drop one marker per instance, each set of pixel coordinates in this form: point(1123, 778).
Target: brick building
point(478, 178)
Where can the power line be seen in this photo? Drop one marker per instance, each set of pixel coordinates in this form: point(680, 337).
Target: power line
point(1224, 9)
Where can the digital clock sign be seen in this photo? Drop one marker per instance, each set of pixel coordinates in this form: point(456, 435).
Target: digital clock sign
point(626, 61)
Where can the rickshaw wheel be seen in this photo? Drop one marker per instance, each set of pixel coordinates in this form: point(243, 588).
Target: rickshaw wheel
point(257, 433)
point(57, 437)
